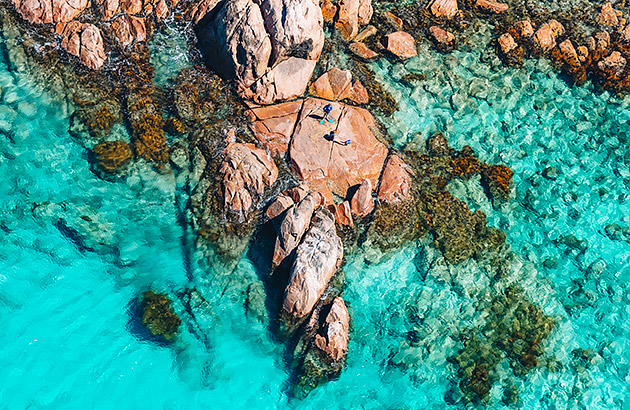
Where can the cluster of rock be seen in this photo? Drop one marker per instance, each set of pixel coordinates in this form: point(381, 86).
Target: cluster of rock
point(158, 316)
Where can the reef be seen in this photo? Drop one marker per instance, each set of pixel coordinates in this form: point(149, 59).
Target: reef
point(158, 315)
point(515, 329)
point(112, 156)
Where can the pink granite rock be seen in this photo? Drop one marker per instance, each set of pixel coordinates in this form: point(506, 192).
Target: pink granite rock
point(316, 159)
point(444, 8)
point(246, 172)
point(401, 44)
point(84, 41)
point(347, 23)
point(329, 10)
point(608, 16)
point(492, 6)
point(365, 12)
point(332, 84)
point(396, 181)
point(132, 6)
point(317, 259)
point(507, 43)
point(49, 11)
point(343, 213)
point(279, 205)
point(128, 30)
point(613, 65)
point(332, 337)
point(524, 28)
point(544, 39)
point(362, 51)
point(362, 203)
point(273, 125)
point(200, 9)
point(441, 36)
point(108, 8)
point(295, 222)
point(293, 25)
point(569, 55)
point(286, 80)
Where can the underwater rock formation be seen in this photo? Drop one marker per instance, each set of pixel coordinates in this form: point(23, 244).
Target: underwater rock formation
point(246, 172)
point(158, 315)
point(515, 330)
point(111, 156)
point(317, 259)
point(316, 159)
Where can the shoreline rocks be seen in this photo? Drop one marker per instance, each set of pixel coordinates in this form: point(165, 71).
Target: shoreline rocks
point(317, 259)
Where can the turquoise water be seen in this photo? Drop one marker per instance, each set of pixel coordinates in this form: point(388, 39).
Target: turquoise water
point(77, 251)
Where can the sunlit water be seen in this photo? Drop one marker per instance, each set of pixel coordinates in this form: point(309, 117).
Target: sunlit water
point(76, 251)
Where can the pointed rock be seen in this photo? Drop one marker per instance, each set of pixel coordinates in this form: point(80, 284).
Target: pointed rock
point(396, 181)
point(362, 203)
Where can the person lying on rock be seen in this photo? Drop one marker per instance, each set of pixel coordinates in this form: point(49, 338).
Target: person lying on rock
point(332, 137)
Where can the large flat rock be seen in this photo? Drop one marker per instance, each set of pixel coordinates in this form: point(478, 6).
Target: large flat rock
point(322, 162)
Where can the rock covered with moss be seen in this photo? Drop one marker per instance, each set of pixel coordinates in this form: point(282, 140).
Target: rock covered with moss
point(112, 156)
point(158, 315)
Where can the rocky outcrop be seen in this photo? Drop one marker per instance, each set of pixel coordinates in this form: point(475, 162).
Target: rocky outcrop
point(524, 29)
point(613, 65)
point(362, 203)
point(442, 37)
point(444, 8)
point(273, 125)
point(329, 11)
point(49, 11)
point(362, 51)
point(293, 225)
point(319, 161)
point(295, 29)
point(343, 213)
point(332, 336)
point(337, 85)
point(235, 42)
point(83, 40)
point(317, 258)
point(401, 44)
point(545, 37)
point(246, 172)
point(268, 50)
point(128, 30)
point(492, 6)
point(347, 23)
point(396, 181)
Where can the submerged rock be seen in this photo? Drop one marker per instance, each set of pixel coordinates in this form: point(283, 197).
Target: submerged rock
point(317, 259)
point(112, 156)
point(158, 315)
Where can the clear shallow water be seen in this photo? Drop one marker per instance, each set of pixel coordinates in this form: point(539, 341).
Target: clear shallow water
point(69, 340)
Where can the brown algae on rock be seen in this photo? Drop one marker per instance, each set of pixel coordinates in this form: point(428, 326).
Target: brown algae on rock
point(158, 315)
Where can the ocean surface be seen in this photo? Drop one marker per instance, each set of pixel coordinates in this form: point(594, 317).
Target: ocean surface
point(76, 251)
